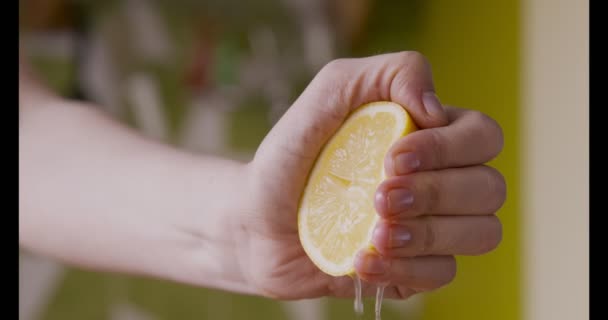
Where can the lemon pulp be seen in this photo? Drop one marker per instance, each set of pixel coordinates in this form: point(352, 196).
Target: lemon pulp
point(336, 215)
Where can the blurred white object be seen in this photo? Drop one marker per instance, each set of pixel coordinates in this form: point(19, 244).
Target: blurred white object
point(143, 95)
point(38, 280)
point(311, 309)
point(126, 311)
point(149, 35)
point(204, 128)
point(316, 31)
point(99, 74)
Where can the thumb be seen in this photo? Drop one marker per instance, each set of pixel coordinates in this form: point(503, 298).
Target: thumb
point(339, 88)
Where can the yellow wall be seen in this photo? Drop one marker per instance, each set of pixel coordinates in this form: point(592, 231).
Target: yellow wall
point(474, 48)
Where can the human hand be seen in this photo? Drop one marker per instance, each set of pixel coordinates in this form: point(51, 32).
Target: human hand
point(438, 200)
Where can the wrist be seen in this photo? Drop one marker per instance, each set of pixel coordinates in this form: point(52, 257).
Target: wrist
point(214, 247)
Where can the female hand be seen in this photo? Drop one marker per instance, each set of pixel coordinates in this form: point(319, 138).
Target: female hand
point(439, 199)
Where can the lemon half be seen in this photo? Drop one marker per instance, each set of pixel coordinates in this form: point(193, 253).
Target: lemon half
point(336, 215)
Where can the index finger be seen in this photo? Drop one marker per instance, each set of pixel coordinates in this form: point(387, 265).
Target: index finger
point(471, 138)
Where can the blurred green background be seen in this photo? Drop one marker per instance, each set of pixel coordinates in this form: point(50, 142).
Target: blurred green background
point(213, 76)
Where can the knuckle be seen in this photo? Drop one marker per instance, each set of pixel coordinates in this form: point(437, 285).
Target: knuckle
point(433, 194)
point(492, 236)
point(429, 237)
point(450, 270)
point(334, 66)
point(497, 188)
point(491, 132)
point(402, 292)
point(412, 57)
point(333, 83)
point(438, 151)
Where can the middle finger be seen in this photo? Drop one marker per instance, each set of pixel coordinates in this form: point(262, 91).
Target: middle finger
point(478, 190)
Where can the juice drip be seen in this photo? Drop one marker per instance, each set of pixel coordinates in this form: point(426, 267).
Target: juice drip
point(379, 296)
point(358, 300)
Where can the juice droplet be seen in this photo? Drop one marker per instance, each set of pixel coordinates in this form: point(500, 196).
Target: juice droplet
point(358, 300)
point(379, 296)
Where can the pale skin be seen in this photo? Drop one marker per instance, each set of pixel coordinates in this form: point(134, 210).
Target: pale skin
point(95, 194)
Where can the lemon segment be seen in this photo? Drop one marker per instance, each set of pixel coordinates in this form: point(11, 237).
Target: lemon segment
point(336, 214)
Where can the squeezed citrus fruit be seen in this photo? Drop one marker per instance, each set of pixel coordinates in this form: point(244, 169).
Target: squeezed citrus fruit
point(336, 215)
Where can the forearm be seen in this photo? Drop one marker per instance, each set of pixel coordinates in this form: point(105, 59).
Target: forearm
point(95, 194)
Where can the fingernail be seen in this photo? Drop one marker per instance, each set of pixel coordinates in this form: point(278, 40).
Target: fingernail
point(390, 236)
point(399, 200)
point(431, 103)
point(405, 163)
point(399, 236)
point(370, 264)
